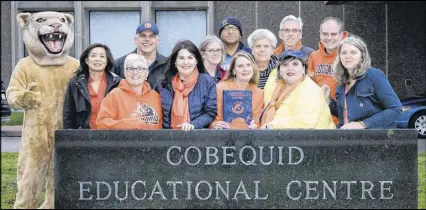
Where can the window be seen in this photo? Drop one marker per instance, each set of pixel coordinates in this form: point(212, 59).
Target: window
point(179, 25)
point(115, 29)
point(72, 50)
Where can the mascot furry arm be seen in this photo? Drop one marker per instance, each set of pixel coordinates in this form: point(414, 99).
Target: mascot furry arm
point(37, 85)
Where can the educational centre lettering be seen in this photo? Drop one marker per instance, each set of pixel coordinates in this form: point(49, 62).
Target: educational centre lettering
point(235, 169)
point(90, 190)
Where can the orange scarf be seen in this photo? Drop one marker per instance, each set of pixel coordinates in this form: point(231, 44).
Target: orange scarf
point(180, 112)
point(279, 95)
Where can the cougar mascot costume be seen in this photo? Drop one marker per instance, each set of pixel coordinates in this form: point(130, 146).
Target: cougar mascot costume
point(37, 86)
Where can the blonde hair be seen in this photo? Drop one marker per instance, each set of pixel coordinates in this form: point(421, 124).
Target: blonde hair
point(342, 74)
point(242, 54)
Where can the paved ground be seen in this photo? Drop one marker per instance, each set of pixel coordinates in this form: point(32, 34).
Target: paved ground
point(10, 144)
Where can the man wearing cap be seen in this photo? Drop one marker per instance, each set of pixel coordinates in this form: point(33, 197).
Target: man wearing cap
point(230, 33)
point(146, 40)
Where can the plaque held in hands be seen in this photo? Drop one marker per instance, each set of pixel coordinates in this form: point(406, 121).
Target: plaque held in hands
point(237, 108)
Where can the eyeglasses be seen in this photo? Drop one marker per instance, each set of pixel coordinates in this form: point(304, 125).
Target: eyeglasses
point(139, 70)
point(287, 30)
point(325, 34)
point(230, 28)
point(214, 51)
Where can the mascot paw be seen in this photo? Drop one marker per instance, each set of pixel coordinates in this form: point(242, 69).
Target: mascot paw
point(32, 98)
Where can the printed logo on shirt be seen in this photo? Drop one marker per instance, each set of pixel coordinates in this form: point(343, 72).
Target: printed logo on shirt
point(324, 69)
point(146, 113)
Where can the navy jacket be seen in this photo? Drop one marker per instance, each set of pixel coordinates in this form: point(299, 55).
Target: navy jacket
point(202, 102)
point(371, 100)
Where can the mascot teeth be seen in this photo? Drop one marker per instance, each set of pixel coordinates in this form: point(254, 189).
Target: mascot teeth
point(53, 42)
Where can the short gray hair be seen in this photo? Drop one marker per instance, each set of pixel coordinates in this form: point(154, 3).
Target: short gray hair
point(342, 74)
point(337, 20)
point(262, 34)
point(134, 57)
point(294, 18)
point(210, 39)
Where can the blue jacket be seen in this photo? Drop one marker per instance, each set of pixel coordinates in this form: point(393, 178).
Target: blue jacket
point(201, 100)
point(371, 100)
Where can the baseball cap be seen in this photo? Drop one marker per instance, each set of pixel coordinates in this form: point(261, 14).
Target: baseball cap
point(292, 53)
point(148, 25)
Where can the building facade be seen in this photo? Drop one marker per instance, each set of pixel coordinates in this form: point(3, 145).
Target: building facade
point(393, 31)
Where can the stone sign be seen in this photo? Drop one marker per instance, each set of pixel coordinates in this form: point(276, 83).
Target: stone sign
point(236, 169)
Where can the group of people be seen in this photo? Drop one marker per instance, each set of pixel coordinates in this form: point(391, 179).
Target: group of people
point(293, 86)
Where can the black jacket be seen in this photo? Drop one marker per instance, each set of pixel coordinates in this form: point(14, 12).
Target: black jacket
point(155, 69)
point(77, 107)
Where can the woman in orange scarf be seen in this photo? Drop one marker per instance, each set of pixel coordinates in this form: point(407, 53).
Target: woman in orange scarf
point(243, 75)
point(188, 93)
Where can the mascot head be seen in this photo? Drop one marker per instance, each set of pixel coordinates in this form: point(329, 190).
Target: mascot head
point(47, 36)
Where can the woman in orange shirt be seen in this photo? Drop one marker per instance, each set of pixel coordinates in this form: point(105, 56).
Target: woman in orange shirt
point(243, 75)
point(133, 105)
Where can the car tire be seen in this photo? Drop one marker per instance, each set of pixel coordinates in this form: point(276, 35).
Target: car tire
point(418, 122)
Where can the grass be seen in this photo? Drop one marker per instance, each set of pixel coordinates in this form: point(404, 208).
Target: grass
point(9, 162)
point(16, 118)
point(422, 180)
point(8, 180)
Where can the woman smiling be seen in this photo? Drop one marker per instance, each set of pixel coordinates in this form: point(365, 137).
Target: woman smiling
point(243, 75)
point(86, 90)
point(188, 92)
point(133, 105)
point(293, 99)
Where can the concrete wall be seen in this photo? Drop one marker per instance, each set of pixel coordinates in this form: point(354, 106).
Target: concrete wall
point(394, 32)
point(6, 44)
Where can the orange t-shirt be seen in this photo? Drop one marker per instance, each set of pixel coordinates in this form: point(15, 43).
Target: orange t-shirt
point(96, 99)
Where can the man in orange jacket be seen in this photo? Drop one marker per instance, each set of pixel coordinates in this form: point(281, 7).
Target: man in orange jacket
point(320, 62)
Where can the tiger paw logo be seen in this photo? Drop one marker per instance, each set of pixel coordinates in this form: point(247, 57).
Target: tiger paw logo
point(238, 107)
point(146, 113)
